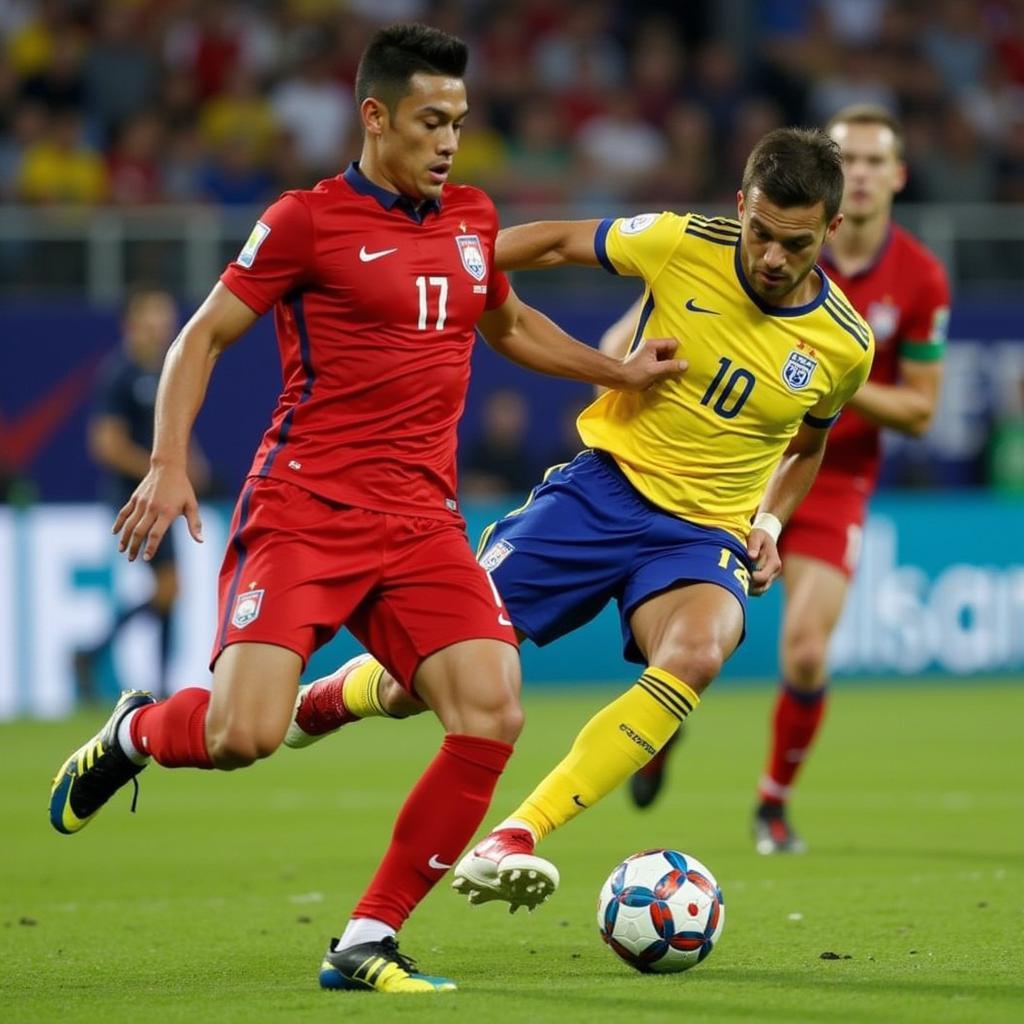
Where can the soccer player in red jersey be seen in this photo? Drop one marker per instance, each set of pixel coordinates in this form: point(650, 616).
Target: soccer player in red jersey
point(900, 288)
point(378, 279)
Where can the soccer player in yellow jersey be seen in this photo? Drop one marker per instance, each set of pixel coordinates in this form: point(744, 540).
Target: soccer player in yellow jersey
point(675, 507)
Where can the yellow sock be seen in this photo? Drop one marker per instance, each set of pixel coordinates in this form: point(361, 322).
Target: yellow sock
point(361, 690)
point(620, 739)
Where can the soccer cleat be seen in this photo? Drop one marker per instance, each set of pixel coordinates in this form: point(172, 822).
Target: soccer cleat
point(377, 967)
point(646, 784)
point(773, 833)
point(95, 771)
point(320, 707)
point(502, 866)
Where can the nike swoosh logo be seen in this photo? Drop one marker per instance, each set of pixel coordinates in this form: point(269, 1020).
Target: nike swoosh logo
point(369, 257)
point(437, 865)
point(577, 801)
point(504, 620)
point(691, 305)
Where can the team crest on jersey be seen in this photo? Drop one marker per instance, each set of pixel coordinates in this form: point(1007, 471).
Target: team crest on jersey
point(247, 608)
point(257, 237)
point(884, 318)
point(797, 372)
point(635, 225)
point(472, 254)
point(495, 555)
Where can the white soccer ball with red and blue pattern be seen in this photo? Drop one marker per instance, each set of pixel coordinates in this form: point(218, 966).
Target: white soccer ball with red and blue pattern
point(661, 911)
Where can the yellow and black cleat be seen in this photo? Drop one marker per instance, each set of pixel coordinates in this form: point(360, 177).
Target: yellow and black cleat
point(95, 771)
point(377, 967)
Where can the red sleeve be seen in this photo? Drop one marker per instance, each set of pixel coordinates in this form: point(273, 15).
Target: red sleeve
point(926, 319)
point(277, 257)
point(497, 282)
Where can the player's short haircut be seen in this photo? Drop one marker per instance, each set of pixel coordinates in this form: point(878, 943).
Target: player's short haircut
point(398, 52)
point(139, 293)
point(870, 113)
point(796, 167)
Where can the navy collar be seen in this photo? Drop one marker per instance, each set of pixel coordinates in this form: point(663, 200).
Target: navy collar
point(781, 310)
point(388, 199)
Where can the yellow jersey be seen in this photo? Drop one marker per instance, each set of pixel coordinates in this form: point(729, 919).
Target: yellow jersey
point(703, 445)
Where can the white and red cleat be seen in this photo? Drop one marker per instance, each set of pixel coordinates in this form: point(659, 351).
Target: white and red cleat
point(502, 866)
point(320, 707)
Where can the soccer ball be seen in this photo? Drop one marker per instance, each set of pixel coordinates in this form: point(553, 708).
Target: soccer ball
point(661, 911)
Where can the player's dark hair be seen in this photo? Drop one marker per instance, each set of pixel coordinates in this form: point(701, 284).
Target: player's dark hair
point(138, 293)
point(796, 167)
point(398, 52)
point(870, 113)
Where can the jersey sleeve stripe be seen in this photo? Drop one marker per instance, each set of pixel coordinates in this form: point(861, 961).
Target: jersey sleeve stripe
point(641, 321)
point(717, 239)
point(851, 313)
point(720, 225)
point(818, 422)
point(601, 245)
point(854, 332)
point(922, 351)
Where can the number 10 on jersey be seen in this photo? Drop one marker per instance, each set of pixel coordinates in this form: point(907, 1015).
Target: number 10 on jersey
point(425, 287)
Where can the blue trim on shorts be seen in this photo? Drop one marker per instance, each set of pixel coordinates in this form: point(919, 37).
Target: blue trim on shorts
point(241, 552)
point(587, 536)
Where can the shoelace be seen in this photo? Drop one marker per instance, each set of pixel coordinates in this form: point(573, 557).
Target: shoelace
point(391, 949)
point(105, 770)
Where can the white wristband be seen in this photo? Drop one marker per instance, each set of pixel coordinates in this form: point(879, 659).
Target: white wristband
point(769, 523)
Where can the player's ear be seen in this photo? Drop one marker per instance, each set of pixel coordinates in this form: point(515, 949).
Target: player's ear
point(899, 180)
point(833, 227)
point(374, 115)
point(739, 204)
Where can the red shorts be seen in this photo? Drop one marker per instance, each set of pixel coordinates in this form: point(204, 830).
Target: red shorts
point(828, 524)
point(299, 567)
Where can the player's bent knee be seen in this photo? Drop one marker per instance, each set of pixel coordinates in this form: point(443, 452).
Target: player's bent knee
point(238, 748)
point(804, 660)
point(697, 665)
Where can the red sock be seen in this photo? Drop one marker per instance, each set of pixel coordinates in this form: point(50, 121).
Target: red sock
point(798, 715)
point(174, 730)
point(438, 819)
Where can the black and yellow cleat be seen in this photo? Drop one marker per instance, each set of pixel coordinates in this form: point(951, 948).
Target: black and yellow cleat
point(95, 771)
point(377, 967)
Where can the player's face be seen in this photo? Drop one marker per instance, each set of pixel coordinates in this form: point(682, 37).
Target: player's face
point(780, 245)
point(419, 140)
point(149, 328)
point(872, 169)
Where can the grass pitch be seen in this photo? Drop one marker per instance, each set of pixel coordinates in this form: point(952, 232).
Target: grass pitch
point(215, 901)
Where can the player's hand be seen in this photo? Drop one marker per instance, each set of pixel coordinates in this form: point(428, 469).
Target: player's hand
point(764, 557)
point(652, 360)
point(164, 494)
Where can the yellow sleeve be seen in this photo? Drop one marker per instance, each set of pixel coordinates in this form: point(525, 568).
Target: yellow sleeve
point(639, 246)
point(827, 410)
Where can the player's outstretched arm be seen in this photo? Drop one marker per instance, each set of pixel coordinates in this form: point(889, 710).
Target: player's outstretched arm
point(789, 483)
point(547, 243)
point(165, 492)
point(528, 338)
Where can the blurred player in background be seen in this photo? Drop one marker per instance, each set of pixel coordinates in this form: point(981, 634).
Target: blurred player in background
point(378, 278)
point(900, 288)
point(120, 440)
point(674, 509)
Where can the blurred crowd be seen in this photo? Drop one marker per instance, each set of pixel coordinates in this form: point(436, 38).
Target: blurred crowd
point(217, 101)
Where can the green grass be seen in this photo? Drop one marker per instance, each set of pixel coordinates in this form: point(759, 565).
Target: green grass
point(215, 901)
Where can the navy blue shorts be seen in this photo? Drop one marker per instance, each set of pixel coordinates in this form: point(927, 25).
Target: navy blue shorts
point(586, 536)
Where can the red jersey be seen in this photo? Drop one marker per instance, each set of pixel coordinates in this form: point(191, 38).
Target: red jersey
point(904, 295)
point(375, 307)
